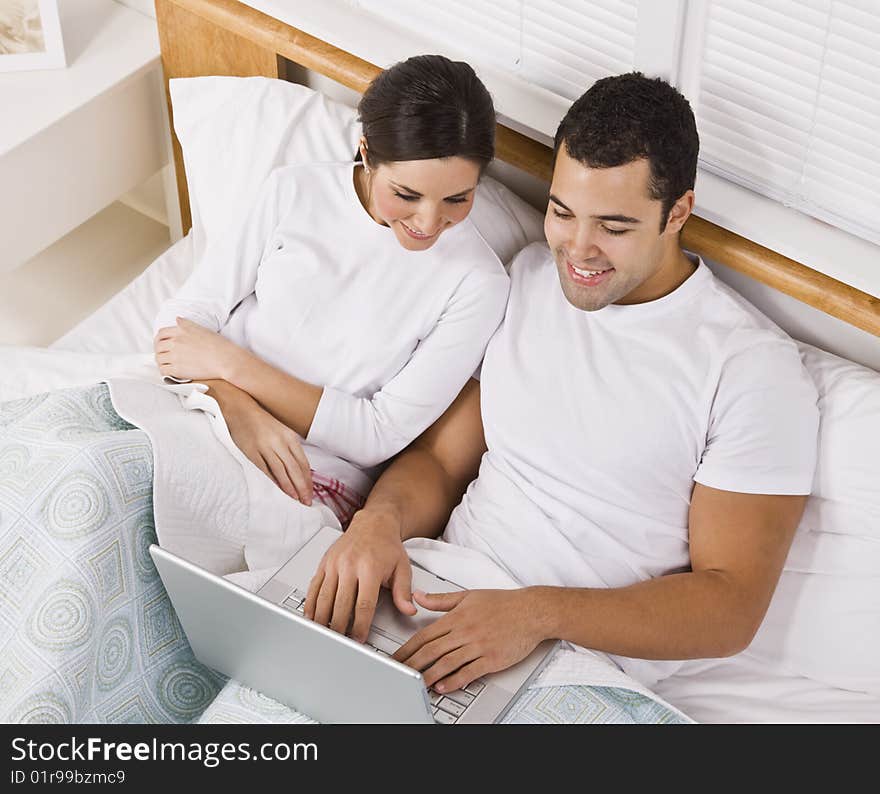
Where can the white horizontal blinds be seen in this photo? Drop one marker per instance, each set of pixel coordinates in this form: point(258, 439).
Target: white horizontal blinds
point(490, 29)
point(789, 104)
point(842, 170)
point(560, 45)
point(569, 44)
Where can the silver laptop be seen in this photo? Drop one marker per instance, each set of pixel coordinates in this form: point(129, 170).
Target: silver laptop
point(262, 640)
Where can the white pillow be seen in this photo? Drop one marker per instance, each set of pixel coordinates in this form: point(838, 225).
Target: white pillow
point(824, 620)
point(846, 487)
point(235, 130)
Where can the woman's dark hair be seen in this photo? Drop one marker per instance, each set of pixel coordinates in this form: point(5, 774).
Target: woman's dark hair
point(428, 107)
point(631, 117)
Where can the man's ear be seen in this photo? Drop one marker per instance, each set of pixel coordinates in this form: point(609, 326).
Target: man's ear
point(680, 212)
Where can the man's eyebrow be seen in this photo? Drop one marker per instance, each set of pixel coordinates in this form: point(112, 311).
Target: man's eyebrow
point(412, 192)
point(555, 200)
point(617, 218)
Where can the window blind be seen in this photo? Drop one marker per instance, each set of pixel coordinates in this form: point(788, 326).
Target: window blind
point(560, 45)
point(789, 104)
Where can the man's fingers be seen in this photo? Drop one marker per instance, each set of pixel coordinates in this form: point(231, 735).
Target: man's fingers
point(439, 602)
point(365, 608)
point(343, 605)
point(431, 652)
point(326, 597)
point(422, 638)
point(464, 676)
point(401, 588)
point(312, 594)
point(448, 663)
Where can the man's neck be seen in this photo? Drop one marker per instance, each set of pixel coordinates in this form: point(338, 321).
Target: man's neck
point(675, 270)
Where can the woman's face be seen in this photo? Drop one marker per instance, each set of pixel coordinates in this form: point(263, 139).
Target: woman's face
point(420, 199)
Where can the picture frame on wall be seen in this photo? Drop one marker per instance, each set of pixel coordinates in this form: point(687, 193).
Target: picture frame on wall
point(30, 35)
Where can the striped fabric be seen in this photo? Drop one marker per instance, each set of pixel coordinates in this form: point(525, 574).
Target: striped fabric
point(342, 500)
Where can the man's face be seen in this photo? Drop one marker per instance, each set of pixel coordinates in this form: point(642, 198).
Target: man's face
point(603, 229)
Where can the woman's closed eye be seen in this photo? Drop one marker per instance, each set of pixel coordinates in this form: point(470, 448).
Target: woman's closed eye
point(450, 200)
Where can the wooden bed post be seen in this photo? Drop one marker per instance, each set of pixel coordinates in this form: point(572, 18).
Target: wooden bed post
point(193, 47)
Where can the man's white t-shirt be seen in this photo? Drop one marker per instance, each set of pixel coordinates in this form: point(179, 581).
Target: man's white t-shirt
point(599, 423)
point(312, 284)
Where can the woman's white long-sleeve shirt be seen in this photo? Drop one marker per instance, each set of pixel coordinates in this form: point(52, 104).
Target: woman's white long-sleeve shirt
point(310, 283)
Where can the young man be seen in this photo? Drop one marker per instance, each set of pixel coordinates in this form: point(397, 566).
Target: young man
point(643, 440)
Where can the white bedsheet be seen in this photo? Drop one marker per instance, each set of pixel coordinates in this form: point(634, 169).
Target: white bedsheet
point(211, 505)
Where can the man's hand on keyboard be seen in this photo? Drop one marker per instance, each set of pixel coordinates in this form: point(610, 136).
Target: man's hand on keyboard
point(484, 631)
point(346, 585)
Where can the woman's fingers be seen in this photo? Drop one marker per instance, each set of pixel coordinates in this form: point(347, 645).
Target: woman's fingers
point(306, 469)
point(294, 475)
point(279, 473)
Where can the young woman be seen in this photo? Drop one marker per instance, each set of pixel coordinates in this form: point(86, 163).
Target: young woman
point(349, 309)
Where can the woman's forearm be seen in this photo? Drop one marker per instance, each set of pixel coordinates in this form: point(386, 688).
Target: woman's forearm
point(289, 399)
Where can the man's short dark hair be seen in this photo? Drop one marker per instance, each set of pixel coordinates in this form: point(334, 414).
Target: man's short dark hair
point(630, 117)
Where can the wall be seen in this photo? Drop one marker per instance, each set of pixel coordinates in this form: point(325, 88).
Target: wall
point(144, 6)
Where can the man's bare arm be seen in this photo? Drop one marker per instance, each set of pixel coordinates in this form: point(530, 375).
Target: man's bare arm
point(426, 481)
point(738, 547)
point(412, 498)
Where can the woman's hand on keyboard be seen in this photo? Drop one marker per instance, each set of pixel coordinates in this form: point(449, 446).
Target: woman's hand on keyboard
point(346, 585)
point(269, 444)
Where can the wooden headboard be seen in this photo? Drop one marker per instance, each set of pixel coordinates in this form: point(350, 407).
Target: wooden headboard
point(225, 37)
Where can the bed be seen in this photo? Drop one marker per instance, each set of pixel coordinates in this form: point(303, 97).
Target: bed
point(139, 639)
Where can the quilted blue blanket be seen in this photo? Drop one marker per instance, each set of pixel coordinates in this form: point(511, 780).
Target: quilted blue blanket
point(87, 633)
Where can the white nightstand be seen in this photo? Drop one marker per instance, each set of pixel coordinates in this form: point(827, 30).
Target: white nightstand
point(74, 140)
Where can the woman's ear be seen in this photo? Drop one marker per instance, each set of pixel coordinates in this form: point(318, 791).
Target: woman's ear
point(362, 147)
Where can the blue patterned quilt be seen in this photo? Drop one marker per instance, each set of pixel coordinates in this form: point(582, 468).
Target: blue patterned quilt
point(87, 632)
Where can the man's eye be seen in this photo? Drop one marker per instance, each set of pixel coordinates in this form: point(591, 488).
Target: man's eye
point(406, 197)
point(615, 232)
point(563, 216)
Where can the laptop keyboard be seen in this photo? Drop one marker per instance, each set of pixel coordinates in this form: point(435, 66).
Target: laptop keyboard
point(447, 709)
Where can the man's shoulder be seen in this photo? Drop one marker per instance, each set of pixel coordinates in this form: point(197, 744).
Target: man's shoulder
point(530, 261)
point(736, 323)
point(535, 253)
